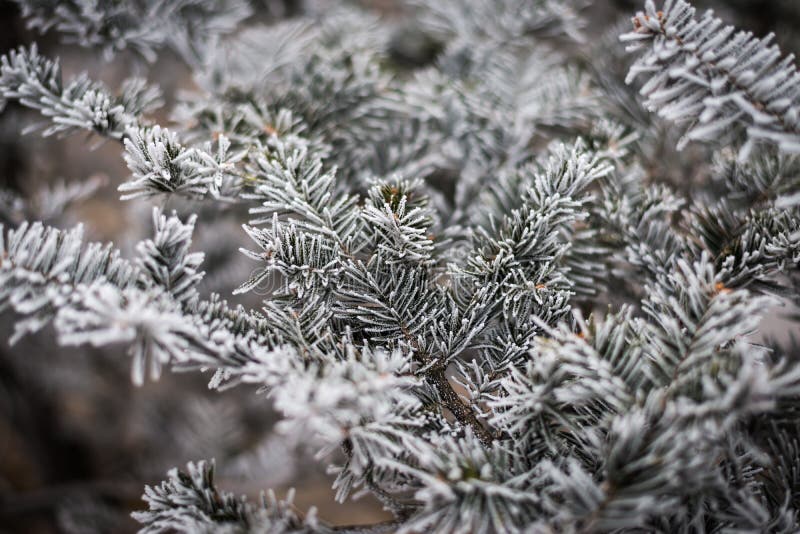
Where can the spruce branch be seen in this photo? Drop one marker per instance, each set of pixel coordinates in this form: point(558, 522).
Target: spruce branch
point(145, 26)
point(715, 78)
point(190, 501)
point(162, 165)
point(483, 287)
point(80, 104)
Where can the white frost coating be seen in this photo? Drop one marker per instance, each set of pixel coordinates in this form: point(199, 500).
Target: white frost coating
point(708, 75)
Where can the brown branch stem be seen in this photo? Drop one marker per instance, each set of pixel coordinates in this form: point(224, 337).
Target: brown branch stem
point(463, 413)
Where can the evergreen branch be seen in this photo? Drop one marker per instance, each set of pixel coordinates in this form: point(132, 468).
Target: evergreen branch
point(702, 72)
point(191, 502)
point(186, 26)
point(81, 104)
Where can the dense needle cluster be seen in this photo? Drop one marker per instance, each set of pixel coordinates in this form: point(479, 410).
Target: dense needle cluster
point(493, 294)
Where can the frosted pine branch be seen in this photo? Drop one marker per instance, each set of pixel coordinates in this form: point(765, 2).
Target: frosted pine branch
point(190, 501)
point(162, 165)
point(702, 72)
point(186, 26)
point(80, 104)
point(477, 281)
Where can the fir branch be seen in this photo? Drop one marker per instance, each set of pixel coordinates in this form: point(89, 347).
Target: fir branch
point(191, 502)
point(186, 26)
point(419, 314)
point(703, 72)
point(81, 104)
